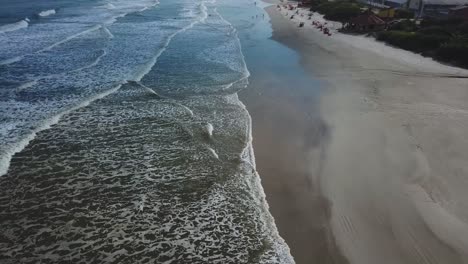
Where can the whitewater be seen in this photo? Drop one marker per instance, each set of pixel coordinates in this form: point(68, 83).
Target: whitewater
point(123, 138)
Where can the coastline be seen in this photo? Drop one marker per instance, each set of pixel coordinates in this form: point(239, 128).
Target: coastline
point(278, 101)
point(389, 163)
point(168, 178)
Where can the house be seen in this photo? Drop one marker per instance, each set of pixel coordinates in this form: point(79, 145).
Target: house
point(459, 12)
point(434, 8)
point(387, 13)
point(383, 4)
point(367, 21)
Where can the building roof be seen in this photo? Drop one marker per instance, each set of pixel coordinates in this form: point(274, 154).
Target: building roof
point(459, 8)
point(367, 18)
point(446, 2)
point(375, 4)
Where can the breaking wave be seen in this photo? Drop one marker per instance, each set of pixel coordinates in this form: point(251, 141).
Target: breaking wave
point(14, 26)
point(47, 13)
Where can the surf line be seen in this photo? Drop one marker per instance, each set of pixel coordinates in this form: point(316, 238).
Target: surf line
point(35, 81)
point(168, 99)
point(146, 68)
point(102, 26)
point(6, 157)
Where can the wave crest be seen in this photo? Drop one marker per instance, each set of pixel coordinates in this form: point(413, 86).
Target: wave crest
point(47, 13)
point(14, 26)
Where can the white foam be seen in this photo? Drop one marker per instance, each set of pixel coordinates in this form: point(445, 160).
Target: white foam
point(126, 9)
point(189, 111)
point(11, 150)
point(70, 38)
point(246, 70)
point(248, 153)
point(146, 68)
point(94, 63)
point(32, 83)
point(14, 26)
point(213, 152)
point(6, 157)
point(26, 85)
point(48, 48)
point(249, 156)
point(11, 60)
point(47, 13)
point(6, 128)
point(107, 32)
point(110, 6)
point(209, 129)
point(141, 203)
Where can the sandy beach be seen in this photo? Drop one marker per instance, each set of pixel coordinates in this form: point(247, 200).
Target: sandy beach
point(375, 171)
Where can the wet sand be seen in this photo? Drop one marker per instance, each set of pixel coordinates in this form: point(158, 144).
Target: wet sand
point(377, 166)
point(287, 132)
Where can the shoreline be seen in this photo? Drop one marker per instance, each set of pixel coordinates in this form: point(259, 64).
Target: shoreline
point(395, 140)
point(281, 152)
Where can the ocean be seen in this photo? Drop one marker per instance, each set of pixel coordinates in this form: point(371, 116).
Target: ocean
point(122, 136)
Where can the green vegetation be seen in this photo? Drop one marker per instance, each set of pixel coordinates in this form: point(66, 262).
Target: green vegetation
point(455, 51)
point(340, 11)
point(445, 40)
point(404, 25)
point(414, 41)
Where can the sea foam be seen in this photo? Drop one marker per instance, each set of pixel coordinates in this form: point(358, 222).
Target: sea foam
point(14, 26)
point(8, 154)
point(47, 13)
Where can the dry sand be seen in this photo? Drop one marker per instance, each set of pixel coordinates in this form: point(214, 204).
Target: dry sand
point(394, 169)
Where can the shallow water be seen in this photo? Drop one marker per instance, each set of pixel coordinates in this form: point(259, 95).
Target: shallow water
point(290, 137)
point(123, 139)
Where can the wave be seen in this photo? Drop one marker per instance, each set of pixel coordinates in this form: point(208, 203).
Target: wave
point(209, 129)
point(24, 23)
point(236, 34)
point(47, 13)
point(70, 38)
point(155, 3)
point(213, 153)
point(146, 68)
point(26, 85)
point(35, 81)
point(14, 26)
point(11, 60)
point(50, 47)
point(92, 64)
point(248, 155)
point(170, 100)
point(6, 157)
point(110, 6)
point(107, 32)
